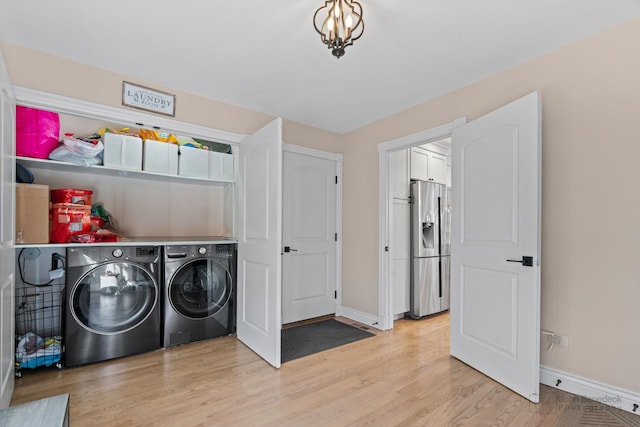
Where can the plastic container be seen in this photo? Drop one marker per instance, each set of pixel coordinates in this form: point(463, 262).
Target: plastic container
point(160, 157)
point(68, 220)
point(193, 162)
point(72, 196)
point(122, 151)
point(220, 166)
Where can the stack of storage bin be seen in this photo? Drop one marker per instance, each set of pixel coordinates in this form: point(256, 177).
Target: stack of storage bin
point(70, 213)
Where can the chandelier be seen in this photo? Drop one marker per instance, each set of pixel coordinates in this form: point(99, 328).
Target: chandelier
point(339, 23)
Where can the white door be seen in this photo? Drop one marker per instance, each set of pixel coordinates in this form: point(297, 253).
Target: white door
point(309, 237)
point(495, 298)
point(259, 290)
point(7, 251)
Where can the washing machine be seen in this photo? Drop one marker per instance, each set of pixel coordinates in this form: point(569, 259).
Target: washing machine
point(112, 302)
point(198, 298)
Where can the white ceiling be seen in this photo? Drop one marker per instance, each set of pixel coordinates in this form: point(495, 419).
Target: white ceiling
point(266, 56)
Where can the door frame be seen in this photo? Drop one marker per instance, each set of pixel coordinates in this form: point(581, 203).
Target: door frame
point(385, 305)
point(337, 158)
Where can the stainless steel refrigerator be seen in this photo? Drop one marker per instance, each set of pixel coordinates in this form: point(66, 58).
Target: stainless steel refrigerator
point(430, 248)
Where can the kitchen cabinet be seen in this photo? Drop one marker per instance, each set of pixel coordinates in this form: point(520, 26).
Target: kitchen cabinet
point(399, 246)
point(399, 161)
point(400, 256)
point(144, 204)
point(428, 165)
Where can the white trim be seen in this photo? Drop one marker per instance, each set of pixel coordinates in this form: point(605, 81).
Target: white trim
point(359, 316)
point(339, 231)
point(305, 151)
point(38, 99)
point(338, 159)
point(385, 305)
point(423, 137)
point(385, 301)
point(585, 387)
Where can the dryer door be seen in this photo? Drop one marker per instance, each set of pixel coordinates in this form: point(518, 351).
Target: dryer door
point(114, 298)
point(200, 288)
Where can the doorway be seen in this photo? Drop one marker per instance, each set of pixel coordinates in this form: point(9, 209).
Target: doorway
point(387, 208)
point(311, 224)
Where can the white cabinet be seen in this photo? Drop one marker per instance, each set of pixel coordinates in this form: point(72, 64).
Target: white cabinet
point(419, 164)
point(399, 162)
point(400, 260)
point(145, 204)
point(400, 256)
point(438, 168)
point(427, 165)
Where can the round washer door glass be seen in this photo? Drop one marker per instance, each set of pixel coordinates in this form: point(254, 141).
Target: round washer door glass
point(200, 288)
point(114, 298)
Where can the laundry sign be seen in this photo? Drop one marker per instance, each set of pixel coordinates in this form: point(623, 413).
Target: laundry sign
point(148, 99)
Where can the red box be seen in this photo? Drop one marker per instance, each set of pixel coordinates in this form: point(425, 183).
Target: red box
point(71, 195)
point(68, 220)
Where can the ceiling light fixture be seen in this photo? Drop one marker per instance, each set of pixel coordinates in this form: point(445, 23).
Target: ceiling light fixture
point(341, 26)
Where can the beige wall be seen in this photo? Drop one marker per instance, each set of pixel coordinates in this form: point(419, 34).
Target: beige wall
point(590, 95)
point(37, 70)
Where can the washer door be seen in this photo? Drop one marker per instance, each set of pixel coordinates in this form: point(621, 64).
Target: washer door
point(200, 288)
point(114, 298)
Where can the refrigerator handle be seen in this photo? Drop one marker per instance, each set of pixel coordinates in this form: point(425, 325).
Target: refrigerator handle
point(439, 228)
point(439, 249)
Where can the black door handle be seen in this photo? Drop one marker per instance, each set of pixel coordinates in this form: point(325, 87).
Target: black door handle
point(526, 261)
point(288, 249)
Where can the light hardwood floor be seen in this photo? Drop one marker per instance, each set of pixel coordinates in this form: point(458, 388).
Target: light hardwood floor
point(403, 377)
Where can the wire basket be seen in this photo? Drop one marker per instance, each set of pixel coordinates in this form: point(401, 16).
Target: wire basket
point(39, 326)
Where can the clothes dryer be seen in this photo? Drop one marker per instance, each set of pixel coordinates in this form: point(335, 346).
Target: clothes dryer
point(198, 299)
point(112, 302)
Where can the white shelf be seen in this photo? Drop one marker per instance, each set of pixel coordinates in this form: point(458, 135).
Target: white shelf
point(104, 170)
point(143, 241)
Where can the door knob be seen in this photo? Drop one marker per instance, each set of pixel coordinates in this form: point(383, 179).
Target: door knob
point(289, 249)
point(526, 261)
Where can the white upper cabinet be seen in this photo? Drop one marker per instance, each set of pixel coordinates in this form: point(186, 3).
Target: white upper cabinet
point(427, 165)
point(399, 161)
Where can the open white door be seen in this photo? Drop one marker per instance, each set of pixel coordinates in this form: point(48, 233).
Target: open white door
point(495, 238)
point(259, 242)
point(7, 250)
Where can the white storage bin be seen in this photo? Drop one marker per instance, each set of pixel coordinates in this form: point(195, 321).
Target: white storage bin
point(220, 166)
point(161, 157)
point(193, 162)
point(122, 151)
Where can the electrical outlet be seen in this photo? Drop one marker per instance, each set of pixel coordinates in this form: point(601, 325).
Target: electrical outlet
point(561, 340)
point(556, 340)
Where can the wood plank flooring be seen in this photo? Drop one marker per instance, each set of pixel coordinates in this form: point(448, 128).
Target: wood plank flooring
point(403, 377)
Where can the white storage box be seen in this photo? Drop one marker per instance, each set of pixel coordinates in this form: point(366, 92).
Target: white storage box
point(220, 165)
point(193, 162)
point(161, 157)
point(122, 151)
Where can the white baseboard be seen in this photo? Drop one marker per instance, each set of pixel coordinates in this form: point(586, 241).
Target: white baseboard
point(359, 316)
point(612, 396)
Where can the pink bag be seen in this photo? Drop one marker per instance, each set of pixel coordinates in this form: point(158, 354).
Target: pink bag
point(37, 132)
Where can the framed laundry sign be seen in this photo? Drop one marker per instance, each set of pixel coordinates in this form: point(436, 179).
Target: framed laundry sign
point(148, 99)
